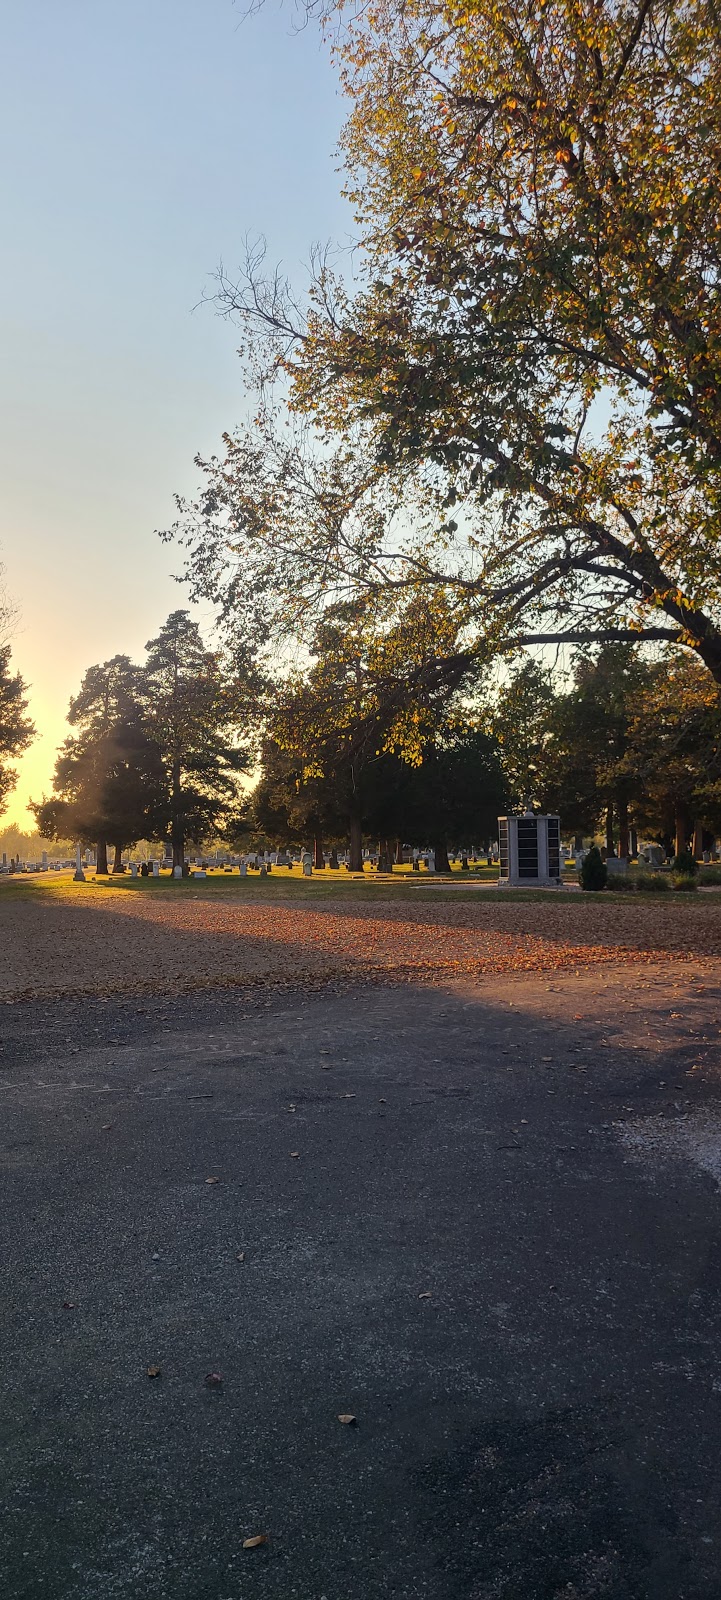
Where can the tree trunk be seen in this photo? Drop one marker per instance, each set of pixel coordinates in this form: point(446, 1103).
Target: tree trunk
point(682, 824)
point(334, 859)
point(318, 857)
point(399, 853)
point(440, 851)
point(118, 861)
point(698, 846)
point(624, 848)
point(634, 844)
point(177, 830)
point(355, 863)
point(102, 865)
point(609, 831)
point(578, 841)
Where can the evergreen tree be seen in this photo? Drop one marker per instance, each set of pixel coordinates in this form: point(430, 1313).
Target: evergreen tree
point(192, 711)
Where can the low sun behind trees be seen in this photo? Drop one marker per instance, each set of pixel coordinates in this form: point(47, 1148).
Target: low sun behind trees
point(157, 753)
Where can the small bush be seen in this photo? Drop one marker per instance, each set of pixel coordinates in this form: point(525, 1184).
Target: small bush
point(684, 864)
point(652, 883)
point(684, 882)
point(593, 874)
point(622, 883)
point(710, 875)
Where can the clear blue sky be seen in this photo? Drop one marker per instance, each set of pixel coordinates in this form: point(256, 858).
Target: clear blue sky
point(142, 141)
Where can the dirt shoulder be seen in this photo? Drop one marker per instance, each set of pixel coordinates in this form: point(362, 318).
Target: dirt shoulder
point(95, 939)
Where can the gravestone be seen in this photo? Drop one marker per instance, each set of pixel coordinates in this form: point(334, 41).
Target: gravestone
point(243, 869)
point(177, 872)
point(133, 869)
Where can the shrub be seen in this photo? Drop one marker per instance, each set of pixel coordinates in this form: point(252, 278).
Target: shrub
point(652, 882)
point(622, 883)
point(593, 874)
point(685, 865)
point(710, 875)
point(684, 882)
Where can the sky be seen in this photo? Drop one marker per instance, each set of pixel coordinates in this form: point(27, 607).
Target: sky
point(143, 143)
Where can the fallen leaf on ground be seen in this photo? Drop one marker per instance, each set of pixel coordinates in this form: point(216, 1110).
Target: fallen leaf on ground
point(257, 1539)
point(104, 1126)
point(213, 1379)
point(426, 1294)
point(153, 1372)
point(240, 1255)
point(68, 1305)
point(346, 1417)
point(295, 1154)
point(212, 1180)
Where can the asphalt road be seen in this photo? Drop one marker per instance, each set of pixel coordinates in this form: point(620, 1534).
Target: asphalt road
point(485, 1221)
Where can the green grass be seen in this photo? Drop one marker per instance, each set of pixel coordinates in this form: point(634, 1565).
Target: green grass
point(323, 886)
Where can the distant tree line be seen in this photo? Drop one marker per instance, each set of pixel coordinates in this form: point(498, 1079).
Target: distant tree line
point(366, 745)
point(625, 744)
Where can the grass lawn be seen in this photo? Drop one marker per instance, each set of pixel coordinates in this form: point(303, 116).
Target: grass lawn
point(478, 887)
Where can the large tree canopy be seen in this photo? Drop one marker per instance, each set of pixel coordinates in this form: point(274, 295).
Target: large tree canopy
point(533, 354)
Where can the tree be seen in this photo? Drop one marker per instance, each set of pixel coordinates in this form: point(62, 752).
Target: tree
point(522, 721)
point(16, 729)
point(291, 806)
point(592, 767)
point(535, 344)
point(673, 752)
point(450, 799)
point(192, 710)
point(108, 775)
point(107, 702)
point(373, 687)
point(108, 789)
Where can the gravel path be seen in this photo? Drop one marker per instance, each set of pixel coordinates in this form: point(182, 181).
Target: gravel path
point(90, 939)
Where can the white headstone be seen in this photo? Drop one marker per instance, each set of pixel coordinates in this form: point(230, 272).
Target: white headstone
point(133, 869)
point(243, 869)
point(156, 869)
point(177, 872)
